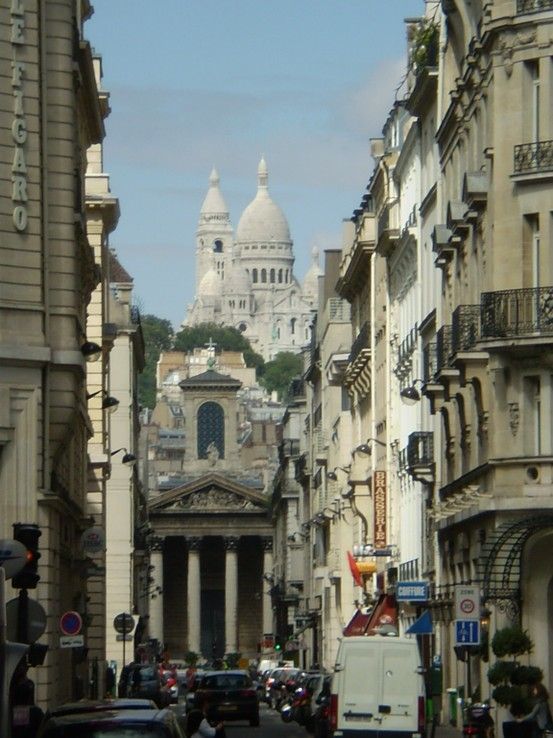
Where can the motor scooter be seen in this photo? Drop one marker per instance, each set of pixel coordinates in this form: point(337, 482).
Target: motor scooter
point(477, 721)
point(301, 705)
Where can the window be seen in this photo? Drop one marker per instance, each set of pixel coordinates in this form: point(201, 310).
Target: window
point(293, 326)
point(272, 277)
point(264, 276)
point(218, 246)
point(532, 420)
point(531, 95)
point(211, 429)
point(254, 276)
point(280, 276)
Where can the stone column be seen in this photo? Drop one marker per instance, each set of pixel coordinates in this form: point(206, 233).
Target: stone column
point(194, 601)
point(155, 590)
point(231, 595)
point(265, 586)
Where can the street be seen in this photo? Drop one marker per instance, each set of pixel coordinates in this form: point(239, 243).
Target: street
point(271, 725)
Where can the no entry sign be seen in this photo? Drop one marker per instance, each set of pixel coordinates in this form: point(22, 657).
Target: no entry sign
point(71, 623)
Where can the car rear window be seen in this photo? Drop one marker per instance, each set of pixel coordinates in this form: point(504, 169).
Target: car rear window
point(226, 681)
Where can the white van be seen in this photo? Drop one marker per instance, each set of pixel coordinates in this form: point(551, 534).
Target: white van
point(377, 689)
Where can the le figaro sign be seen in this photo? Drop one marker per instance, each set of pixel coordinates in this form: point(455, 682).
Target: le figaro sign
point(19, 123)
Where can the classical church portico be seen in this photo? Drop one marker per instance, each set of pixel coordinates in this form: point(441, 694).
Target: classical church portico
point(211, 545)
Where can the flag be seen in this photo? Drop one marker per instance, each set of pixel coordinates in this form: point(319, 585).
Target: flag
point(355, 573)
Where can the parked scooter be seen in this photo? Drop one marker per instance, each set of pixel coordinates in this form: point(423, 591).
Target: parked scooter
point(286, 711)
point(301, 705)
point(477, 721)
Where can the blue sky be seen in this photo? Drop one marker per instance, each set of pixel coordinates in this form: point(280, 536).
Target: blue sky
point(202, 83)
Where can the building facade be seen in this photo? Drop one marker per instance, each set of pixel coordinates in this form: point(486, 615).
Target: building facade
point(246, 280)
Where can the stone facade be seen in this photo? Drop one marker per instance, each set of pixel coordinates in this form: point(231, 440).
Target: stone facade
point(247, 280)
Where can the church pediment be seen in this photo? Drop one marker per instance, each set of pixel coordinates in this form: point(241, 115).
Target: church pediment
point(211, 494)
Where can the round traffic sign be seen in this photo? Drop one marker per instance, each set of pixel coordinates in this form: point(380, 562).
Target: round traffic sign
point(123, 623)
point(36, 620)
point(71, 623)
point(467, 606)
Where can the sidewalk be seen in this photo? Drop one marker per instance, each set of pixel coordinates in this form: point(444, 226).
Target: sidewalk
point(446, 731)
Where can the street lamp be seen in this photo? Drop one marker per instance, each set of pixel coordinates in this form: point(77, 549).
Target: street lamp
point(332, 474)
point(365, 448)
point(128, 459)
point(410, 395)
point(91, 351)
point(108, 403)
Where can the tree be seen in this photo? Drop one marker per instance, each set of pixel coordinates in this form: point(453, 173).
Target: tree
point(224, 337)
point(158, 337)
point(279, 373)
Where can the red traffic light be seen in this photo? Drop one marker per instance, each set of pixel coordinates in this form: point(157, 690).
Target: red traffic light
point(27, 534)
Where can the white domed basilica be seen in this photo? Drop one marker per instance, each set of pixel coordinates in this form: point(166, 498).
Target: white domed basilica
point(247, 281)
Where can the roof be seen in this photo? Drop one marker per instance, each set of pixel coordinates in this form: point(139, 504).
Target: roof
point(210, 378)
point(117, 273)
point(263, 220)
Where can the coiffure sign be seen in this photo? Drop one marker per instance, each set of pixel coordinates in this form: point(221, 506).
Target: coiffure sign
point(379, 497)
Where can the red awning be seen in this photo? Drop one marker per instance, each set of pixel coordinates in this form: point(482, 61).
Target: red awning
point(358, 624)
point(384, 616)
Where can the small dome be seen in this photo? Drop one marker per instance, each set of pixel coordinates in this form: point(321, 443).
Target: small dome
point(237, 280)
point(210, 284)
point(214, 202)
point(262, 220)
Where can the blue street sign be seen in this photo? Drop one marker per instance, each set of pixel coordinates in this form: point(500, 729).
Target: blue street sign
point(467, 632)
point(412, 591)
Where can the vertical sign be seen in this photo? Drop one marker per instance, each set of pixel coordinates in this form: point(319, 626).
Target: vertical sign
point(379, 495)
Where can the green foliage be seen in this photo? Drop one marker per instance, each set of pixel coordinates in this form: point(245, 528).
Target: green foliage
point(233, 659)
point(158, 337)
point(191, 658)
point(280, 371)
point(424, 51)
point(511, 641)
point(224, 337)
point(531, 675)
point(506, 694)
point(501, 672)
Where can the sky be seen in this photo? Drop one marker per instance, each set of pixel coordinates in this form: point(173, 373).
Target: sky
point(197, 84)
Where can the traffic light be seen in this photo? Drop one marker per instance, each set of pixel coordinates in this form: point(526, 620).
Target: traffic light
point(27, 534)
point(278, 644)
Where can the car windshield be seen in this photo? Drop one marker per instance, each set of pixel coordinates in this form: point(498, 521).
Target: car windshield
point(226, 681)
point(107, 731)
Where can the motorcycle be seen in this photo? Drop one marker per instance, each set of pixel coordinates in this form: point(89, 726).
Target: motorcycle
point(477, 721)
point(286, 711)
point(301, 705)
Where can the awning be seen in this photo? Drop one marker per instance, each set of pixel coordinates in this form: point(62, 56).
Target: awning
point(358, 624)
point(383, 618)
point(421, 626)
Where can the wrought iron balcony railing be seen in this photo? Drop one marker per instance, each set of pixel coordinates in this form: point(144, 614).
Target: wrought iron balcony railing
point(429, 361)
point(533, 6)
point(534, 157)
point(420, 449)
point(515, 313)
point(465, 327)
point(360, 343)
point(443, 347)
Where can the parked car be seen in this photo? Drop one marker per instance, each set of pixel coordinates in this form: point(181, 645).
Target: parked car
point(127, 703)
point(143, 680)
point(230, 696)
point(111, 724)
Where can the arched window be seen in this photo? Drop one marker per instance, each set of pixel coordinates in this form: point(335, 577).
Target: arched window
point(264, 276)
point(211, 430)
point(218, 246)
point(280, 276)
point(272, 277)
point(254, 276)
point(293, 326)
point(286, 276)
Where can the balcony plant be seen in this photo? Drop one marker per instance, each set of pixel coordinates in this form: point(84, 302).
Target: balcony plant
point(424, 47)
point(232, 660)
point(191, 658)
point(512, 680)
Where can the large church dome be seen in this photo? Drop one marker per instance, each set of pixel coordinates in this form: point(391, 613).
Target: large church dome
point(262, 220)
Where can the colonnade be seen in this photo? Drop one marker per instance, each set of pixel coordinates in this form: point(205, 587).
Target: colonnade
point(194, 587)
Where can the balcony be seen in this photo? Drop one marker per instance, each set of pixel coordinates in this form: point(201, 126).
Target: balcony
point(405, 353)
point(465, 328)
point(443, 348)
point(361, 344)
point(288, 448)
point(420, 456)
point(522, 313)
point(387, 228)
point(429, 362)
point(534, 158)
point(357, 371)
point(533, 6)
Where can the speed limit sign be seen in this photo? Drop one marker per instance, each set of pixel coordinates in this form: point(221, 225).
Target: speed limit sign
point(467, 602)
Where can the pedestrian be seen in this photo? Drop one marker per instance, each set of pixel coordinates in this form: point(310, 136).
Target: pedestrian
point(540, 714)
point(204, 728)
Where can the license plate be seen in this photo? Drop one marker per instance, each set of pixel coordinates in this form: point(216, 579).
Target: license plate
point(358, 718)
point(228, 707)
